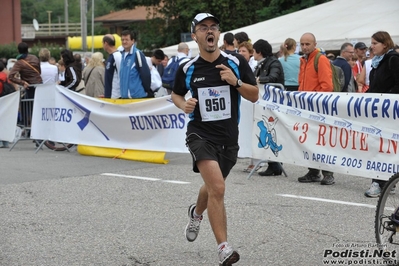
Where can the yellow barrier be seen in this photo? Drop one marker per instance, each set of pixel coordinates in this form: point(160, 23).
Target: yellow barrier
point(116, 153)
point(75, 43)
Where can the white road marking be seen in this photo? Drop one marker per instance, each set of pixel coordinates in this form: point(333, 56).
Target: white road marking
point(176, 182)
point(328, 200)
point(146, 178)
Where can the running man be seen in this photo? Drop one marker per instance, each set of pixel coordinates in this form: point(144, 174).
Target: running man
point(216, 81)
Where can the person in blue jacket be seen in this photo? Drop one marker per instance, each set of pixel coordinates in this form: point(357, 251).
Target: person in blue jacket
point(135, 75)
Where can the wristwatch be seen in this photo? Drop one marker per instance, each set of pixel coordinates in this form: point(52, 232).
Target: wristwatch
point(239, 83)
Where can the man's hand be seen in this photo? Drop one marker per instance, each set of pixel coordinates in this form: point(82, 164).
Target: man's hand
point(189, 105)
point(226, 74)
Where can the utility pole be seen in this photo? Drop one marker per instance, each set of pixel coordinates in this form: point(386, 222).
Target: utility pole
point(92, 26)
point(83, 21)
point(66, 17)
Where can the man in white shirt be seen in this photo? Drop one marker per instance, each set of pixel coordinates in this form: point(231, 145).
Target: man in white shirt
point(49, 72)
point(153, 62)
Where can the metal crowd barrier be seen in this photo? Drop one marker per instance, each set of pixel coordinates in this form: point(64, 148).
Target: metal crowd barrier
point(25, 121)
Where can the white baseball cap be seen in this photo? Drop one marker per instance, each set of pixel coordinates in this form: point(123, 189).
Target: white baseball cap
point(200, 17)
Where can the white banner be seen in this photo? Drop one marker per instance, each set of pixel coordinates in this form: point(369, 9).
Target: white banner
point(350, 133)
point(65, 116)
point(8, 115)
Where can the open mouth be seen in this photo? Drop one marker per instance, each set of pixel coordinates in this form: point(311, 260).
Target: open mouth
point(210, 40)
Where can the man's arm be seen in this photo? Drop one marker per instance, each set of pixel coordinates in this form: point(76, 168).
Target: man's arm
point(248, 91)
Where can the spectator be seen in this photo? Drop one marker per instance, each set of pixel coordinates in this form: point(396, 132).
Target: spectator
point(28, 68)
point(165, 61)
point(268, 70)
point(331, 56)
point(212, 137)
point(49, 72)
point(73, 70)
point(363, 80)
point(346, 53)
point(246, 49)
point(240, 37)
point(360, 52)
point(162, 65)
point(154, 61)
point(182, 54)
point(26, 73)
point(112, 68)
point(5, 62)
point(228, 42)
point(52, 61)
point(290, 62)
point(135, 75)
point(384, 78)
point(61, 71)
point(79, 61)
point(93, 76)
point(310, 80)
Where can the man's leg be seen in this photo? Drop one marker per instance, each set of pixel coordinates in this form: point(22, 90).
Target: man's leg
point(214, 188)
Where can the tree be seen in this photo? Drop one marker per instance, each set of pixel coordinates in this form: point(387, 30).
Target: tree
point(233, 14)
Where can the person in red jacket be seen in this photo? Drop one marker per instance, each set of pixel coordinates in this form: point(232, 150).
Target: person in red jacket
point(310, 80)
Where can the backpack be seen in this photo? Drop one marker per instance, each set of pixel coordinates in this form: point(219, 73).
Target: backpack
point(169, 74)
point(338, 77)
point(7, 88)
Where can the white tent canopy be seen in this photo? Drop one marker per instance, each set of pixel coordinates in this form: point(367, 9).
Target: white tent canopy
point(333, 23)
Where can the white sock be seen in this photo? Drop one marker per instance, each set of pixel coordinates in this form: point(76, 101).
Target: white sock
point(222, 245)
point(196, 215)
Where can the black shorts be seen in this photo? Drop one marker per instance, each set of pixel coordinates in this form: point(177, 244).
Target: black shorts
point(202, 149)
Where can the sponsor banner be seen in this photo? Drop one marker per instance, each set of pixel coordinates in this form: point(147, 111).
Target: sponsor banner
point(8, 115)
point(65, 116)
point(349, 133)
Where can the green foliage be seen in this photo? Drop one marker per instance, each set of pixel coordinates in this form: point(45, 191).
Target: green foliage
point(276, 8)
point(177, 15)
point(233, 14)
point(8, 50)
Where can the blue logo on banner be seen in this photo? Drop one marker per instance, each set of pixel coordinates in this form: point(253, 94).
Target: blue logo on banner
point(268, 135)
point(86, 119)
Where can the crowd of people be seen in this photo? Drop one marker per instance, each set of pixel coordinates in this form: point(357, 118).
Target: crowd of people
point(372, 69)
point(234, 70)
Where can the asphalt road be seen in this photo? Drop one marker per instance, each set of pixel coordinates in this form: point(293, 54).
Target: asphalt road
point(62, 208)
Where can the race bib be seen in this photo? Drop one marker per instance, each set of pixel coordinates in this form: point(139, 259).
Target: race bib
point(214, 103)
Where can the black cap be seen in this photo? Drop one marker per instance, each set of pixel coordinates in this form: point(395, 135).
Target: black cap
point(200, 17)
point(360, 45)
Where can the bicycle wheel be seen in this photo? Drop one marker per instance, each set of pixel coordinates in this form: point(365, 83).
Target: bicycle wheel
point(57, 146)
point(386, 224)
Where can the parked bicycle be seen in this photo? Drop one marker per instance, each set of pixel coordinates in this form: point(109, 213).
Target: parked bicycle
point(387, 221)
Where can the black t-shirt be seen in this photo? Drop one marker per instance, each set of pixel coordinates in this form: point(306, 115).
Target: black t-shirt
point(217, 114)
